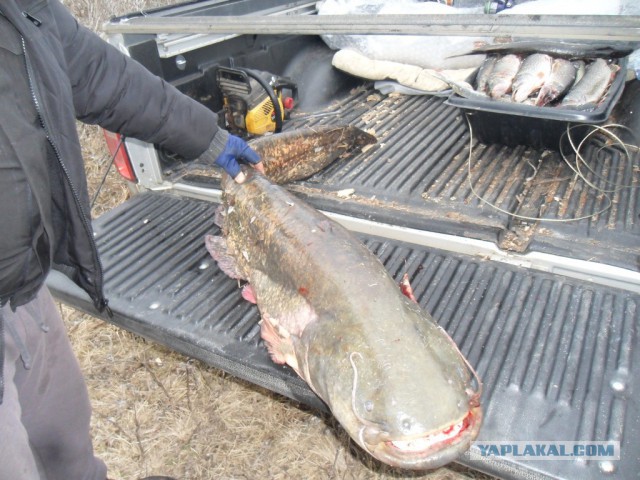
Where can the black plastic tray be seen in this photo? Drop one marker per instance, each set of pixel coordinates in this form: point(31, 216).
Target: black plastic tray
point(566, 114)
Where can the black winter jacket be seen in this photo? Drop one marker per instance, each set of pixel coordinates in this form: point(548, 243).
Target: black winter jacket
point(73, 74)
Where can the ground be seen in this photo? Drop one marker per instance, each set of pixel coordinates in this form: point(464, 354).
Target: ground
point(158, 412)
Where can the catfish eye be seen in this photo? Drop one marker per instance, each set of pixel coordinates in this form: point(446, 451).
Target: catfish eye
point(368, 406)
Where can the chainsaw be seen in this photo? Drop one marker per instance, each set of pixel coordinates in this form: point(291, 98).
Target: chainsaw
point(254, 103)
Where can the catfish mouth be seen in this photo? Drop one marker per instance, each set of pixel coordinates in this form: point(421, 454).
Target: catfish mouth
point(430, 451)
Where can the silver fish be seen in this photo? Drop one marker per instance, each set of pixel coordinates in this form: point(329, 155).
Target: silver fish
point(502, 75)
point(532, 75)
point(461, 88)
point(484, 72)
point(391, 376)
point(589, 91)
point(580, 67)
point(568, 50)
point(562, 76)
point(466, 90)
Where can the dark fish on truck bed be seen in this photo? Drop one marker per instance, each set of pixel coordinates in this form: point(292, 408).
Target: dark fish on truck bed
point(390, 375)
point(298, 154)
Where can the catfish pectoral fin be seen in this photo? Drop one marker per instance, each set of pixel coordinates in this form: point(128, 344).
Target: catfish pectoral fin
point(279, 345)
point(272, 340)
point(360, 138)
point(219, 250)
point(249, 294)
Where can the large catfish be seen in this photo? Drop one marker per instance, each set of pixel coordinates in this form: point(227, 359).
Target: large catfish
point(390, 375)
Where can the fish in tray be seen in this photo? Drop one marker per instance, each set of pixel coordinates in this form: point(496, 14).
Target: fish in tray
point(502, 74)
point(562, 75)
point(484, 72)
point(531, 76)
point(391, 376)
point(543, 73)
point(592, 87)
point(543, 80)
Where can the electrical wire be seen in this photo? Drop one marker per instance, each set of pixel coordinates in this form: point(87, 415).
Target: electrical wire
point(607, 131)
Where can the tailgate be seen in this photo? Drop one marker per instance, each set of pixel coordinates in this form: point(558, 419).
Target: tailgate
point(559, 357)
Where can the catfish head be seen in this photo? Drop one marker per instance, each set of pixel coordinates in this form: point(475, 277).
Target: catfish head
point(410, 402)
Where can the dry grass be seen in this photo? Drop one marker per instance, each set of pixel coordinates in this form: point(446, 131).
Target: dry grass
point(158, 412)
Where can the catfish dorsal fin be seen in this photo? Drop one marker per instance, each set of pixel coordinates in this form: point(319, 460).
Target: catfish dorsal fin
point(219, 250)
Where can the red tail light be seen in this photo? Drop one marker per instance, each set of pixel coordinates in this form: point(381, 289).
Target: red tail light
point(115, 143)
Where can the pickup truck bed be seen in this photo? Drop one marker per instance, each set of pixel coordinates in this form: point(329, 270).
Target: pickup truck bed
point(558, 354)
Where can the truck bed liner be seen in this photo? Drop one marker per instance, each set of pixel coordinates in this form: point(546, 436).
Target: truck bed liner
point(418, 176)
point(558, 356)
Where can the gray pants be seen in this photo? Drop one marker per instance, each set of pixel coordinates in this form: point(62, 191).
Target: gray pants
point(45, 413)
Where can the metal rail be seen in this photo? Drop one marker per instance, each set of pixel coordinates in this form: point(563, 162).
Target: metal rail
point(597, 273)
point(567, 27)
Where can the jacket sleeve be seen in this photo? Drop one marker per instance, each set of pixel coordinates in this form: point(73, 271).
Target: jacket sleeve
point(116, 92)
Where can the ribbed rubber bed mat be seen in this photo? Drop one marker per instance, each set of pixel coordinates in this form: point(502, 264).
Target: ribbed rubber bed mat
point(559, 358)
point(420, 174)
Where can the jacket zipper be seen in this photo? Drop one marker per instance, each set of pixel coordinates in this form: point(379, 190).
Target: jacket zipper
point(1, 355)
point(101, 303)
point(31, 18)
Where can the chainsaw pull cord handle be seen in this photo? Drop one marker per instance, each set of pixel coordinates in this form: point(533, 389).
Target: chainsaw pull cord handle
point(270, 92)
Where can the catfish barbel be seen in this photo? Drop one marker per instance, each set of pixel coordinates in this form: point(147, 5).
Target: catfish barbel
point(390, 375)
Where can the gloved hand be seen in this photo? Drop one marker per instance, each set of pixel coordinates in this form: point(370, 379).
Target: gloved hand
point(236, 149)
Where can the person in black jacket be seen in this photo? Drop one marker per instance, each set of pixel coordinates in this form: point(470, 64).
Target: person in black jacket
point(53, 72)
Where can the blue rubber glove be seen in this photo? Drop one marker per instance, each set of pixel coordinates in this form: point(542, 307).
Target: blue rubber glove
point(236, 149)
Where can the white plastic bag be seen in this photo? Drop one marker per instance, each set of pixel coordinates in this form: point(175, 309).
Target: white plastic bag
point(567, 7)
point(436, 52)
